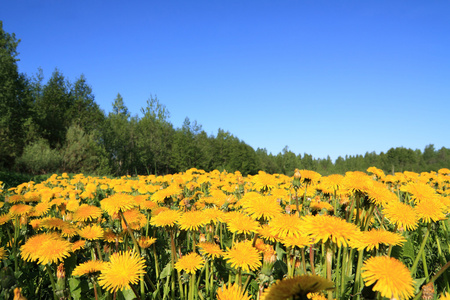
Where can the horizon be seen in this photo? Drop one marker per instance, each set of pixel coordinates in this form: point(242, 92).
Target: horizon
point(325, 79)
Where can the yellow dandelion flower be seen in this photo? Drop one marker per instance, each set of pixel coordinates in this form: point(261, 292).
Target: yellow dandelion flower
point(2, 253)
point(146, 241)
point(190, 263)
point(309, 176)
point(123, 269)
point(373, 238)
point(69, 231)
point(420, 191)
point(35, 223)
point(110, 237)
point(86, 213)
point(148, 205)
point(4, 218)
point(323, 228)
point(262, 207)
point(20, 209)
point(89, 268)
point(193, 220)
point(166, 218)
point(93, 232)
point(135, 219)
point(78, 245)
point(390, 276)
point(40, 209)
point(430, 210)
point(380, 195)
point(210, 250)
point(297, 287)
point(297, 241)
point(232, 292)
point(284, 226)
point(445, 296)
point(241, 223)
point(53, 223)
point(213, 214)
point(167, 193)
point(243, 255)
point(265, 232)
point(45, 248)
point(402, 215)
point(319, 205)
point(117, 202)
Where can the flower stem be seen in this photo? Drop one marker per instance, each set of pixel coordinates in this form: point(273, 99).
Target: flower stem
point(52, 280)
point(419, 255)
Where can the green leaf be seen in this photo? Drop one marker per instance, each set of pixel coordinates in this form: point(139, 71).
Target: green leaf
point(408, 249)
point(418, 283)
point(165, 272)
point(75, 288)
point(126, 294)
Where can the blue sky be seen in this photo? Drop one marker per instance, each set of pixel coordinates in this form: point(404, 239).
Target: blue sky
point(321, 77)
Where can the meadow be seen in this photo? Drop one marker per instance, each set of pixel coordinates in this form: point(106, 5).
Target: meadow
point(217, 235)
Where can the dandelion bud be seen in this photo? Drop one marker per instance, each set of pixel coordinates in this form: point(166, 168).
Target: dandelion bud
point(60, 273)
point(202, 238)
point(428, 291)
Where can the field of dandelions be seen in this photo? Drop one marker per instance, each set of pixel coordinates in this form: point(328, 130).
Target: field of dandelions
point(219, 235)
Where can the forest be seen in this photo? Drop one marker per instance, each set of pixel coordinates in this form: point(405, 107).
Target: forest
point(57, 126)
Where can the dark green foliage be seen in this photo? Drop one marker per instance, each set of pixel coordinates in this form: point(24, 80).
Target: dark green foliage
point(82, 153)
point(39, 158)
point(14, 101)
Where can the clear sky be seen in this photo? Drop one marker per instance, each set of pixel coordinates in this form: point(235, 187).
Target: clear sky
point(321, 77)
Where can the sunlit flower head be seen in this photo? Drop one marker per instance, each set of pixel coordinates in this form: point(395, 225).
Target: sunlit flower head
point(111, 237)
point(2, 253)
point(45, 248)
point(297, 241)
point(323, 228)
point(86, 213)
point(232, 292)
point(265, 233)
point(117, 202)
point(78, 245)
point(69, 231)
point(91, 232)
point(91, 267)
point(241, 223)
point(171, 191)
point(210, 250)
point(262, 207)
point(166, 218)
point(401, 215)
point(430, 210)
point(420, 191)
point(297, 287)
point(146, 241)
point(309, 176)
point(390, 276)
point(53, 223)
point(284, 226)
point(135, 219)
point(20, 209)
point(372, 239)
point(124, 269)
point(190, 263)
point(4, 218)
point(40, 209)
point(193, 220)
point(243, 255)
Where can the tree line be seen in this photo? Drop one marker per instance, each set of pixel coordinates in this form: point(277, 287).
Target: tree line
point(56, 126)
